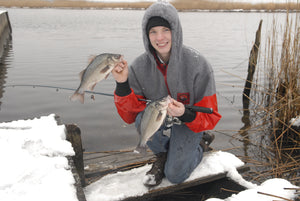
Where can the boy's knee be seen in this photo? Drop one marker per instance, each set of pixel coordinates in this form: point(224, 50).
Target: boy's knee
point(176, 175)
point(179, 171)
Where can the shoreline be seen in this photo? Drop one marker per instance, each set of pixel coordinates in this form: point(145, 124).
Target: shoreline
point(141, 9)
point(181, 5)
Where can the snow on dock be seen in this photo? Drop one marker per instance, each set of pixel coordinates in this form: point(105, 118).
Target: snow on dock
point(127, 185)
point(34, 164)
point(214, 166)
point(38, 163)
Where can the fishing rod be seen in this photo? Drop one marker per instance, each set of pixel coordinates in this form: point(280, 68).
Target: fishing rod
point(200, 109)
point(191, 107)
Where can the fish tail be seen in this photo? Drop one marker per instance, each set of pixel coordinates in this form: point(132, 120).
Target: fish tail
point(142, 149)
point(77, 96)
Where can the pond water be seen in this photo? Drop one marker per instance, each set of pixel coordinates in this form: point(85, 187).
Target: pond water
point(51, 46)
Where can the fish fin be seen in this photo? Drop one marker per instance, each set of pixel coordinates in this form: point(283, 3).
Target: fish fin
point(91, 88)
point(77, 96)
point(105, 69)
point(139, 129)
point(141, 149)
point(81, 74)
point(159, 116)
point(91, 58)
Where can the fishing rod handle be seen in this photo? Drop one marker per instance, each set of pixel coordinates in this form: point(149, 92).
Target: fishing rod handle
point(200, 109)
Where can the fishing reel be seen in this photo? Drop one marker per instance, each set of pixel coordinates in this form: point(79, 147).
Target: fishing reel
point(170, 121)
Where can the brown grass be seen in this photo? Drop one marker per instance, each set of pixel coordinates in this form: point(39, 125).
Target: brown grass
point(179, 4)
point(213, 5)
point(71, 4)
point(275, 101)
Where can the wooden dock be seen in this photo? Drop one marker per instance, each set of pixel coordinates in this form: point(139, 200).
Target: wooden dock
point(92, 166)
point(100, 164)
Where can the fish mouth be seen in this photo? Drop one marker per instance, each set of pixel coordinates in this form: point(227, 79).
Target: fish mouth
point(164, 103)
point(168, 99)
point(117, 58)
point(120, 57)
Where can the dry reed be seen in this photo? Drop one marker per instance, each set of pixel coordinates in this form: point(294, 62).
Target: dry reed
point(227, 5)
point(72, 4)
point(275, 101)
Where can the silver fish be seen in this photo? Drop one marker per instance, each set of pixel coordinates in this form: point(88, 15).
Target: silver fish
point(152, 119)
point(97, 70)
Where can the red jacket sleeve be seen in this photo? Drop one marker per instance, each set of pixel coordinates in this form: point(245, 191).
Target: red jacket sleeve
point(204, 121)
point(129, 106)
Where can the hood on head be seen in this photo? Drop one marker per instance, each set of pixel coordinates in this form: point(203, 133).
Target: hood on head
point(169, 13)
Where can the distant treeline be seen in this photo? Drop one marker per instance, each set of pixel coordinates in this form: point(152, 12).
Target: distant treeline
point(179, 4)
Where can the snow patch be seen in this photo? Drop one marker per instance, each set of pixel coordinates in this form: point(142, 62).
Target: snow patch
point(34, 166)
point(271, 186)
point(295, 121)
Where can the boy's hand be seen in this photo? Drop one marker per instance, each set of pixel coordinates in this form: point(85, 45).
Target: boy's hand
point(120, 71)
point(175, 108)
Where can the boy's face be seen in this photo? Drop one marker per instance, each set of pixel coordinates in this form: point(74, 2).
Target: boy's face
point(161, 40)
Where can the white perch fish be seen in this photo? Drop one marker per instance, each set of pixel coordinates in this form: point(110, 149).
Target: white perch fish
point(152, 119)
point(97, 70)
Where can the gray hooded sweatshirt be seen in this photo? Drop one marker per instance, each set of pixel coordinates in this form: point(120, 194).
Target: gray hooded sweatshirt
point(189, 76)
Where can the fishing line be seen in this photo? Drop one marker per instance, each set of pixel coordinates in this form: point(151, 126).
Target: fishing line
point(57, 88)
point(195, 108)
point(65, 88)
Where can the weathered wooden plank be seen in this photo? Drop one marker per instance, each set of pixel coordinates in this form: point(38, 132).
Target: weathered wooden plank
point(102, 163)
point(185, 185)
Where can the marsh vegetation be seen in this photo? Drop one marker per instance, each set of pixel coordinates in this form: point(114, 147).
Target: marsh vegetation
point(275, 104)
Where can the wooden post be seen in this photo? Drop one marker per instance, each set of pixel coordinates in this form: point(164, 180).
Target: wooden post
point(246, 94)
point(74, 136)
point(79, 190)
point(251, 69)
point(5, 33)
